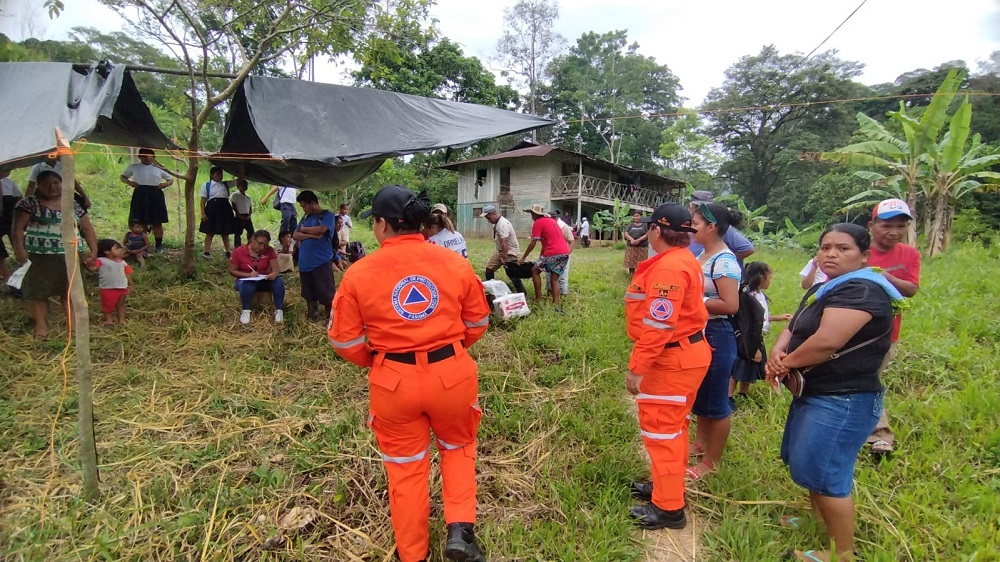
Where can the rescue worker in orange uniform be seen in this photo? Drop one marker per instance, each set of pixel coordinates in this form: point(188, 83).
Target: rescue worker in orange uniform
point(666, 316)
point(409, 312)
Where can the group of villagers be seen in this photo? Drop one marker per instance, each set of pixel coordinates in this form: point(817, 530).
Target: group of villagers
point(409, 312)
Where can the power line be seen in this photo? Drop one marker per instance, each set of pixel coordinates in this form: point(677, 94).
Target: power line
point(836, 29)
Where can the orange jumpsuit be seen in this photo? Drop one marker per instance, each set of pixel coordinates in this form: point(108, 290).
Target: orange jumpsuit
point(420, 307)
point(665, 311)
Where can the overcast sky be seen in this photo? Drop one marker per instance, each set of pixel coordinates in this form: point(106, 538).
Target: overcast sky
point(698, 40)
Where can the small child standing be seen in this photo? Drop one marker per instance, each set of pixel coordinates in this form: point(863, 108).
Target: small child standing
point(243, 208)
point(115, 279)
point(136, 242)
point(756, 280)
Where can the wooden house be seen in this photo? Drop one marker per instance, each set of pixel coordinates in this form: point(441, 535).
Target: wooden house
point(556, 178)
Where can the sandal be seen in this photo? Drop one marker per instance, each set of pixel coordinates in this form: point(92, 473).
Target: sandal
point(698, 471)
point(790, 522)
point(881, 447)
point(696, 449)
point(810, 555)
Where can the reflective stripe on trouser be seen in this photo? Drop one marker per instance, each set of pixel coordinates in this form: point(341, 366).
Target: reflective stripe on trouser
point(407, 402)
point(664, 404)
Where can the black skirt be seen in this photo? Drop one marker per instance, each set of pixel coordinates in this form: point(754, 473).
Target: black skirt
point(219, 217)
point(149, 205)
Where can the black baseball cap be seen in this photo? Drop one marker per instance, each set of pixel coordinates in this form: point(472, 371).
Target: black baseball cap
point(671, 215)
point(389, 202)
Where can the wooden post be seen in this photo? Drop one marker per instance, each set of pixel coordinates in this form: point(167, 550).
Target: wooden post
point(80, 322)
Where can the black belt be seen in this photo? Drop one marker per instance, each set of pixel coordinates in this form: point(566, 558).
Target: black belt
point(693, 338)
point(433, 356)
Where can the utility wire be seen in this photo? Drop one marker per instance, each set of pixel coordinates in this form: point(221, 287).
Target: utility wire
point(823, 42)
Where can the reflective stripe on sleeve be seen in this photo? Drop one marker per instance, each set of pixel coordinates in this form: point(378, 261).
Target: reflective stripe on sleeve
point(483, 322)
point(635, 296)
point(404, 460)
point(659, 436)
point(661, 398)
point(346, 344)
point(657, 325)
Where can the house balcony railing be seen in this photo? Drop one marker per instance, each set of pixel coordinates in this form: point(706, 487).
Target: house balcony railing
point(571, 186)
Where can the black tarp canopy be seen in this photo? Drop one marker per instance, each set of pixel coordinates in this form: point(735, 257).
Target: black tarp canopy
point(278, 131)
point(324, 136)
point(96, 102)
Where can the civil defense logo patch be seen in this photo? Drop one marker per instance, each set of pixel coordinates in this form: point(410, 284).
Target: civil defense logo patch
point(415, 298)
point(661, 309)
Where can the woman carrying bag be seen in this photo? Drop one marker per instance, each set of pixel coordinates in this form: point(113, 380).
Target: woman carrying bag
point(829, 358)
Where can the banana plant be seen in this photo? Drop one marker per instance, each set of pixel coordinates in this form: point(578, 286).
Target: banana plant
point(954, 172)
point(901, 162)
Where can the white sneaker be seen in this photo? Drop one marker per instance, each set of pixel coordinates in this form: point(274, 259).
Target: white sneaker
point(279, 316)
point(245, 317)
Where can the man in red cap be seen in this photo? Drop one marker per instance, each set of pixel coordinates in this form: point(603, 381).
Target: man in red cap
point(900, 264)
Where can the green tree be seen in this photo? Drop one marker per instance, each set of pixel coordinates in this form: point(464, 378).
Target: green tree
point(610, 100)
point(237, 36)
point(764, 140)
point(435, 69)
point(941, 172)
point(690, 155)
point(528, 44)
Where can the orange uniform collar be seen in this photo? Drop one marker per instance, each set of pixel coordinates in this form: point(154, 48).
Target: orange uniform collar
point(646, 264)
point(404, 239)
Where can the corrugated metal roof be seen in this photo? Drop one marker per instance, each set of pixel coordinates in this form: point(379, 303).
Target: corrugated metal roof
point(546, 149)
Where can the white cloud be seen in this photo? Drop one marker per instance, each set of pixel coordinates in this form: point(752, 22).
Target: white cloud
point(697, 40)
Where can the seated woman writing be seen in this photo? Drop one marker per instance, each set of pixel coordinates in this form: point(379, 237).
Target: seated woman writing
point(255, 267)
point(829, 358)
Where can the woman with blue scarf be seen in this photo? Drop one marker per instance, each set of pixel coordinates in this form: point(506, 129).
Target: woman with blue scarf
point(836, 341)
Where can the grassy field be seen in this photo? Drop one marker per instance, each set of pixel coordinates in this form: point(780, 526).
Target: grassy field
point(210, 434)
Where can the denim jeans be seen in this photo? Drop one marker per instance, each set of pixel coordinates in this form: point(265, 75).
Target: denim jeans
point(247, 290)
point(823, 436)
point(713, 395)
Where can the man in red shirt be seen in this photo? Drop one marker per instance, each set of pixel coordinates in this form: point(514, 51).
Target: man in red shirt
point(555, 252)
point(900, 264)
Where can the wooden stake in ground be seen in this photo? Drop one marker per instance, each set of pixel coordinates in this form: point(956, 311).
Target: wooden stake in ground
point(80, 322)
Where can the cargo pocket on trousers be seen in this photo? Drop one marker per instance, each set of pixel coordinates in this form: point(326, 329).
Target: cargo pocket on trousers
point(460, 368)
point(475, 416)
point(661, 424)
point(383, 374)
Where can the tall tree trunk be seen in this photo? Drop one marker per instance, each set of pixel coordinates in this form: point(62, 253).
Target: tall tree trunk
point(947, 226)
point(935, 238)
point(911, 229)
point(80, 322)
point(187, 260)
point(928, 215)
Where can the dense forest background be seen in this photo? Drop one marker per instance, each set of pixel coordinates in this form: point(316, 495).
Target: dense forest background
point(747, 139)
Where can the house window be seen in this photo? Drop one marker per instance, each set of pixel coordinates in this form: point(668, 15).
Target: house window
point(504, 180)
point(480, 180)
point(477, 212)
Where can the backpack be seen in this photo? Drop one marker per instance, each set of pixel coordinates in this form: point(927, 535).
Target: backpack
point(276, 202)
point(355, 251)
point(748, 322)
point(748, 326)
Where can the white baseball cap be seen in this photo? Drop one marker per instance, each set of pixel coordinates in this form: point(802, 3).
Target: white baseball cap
point(891, 208)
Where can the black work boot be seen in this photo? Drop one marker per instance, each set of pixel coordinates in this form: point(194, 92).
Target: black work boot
point(328, 311)
point(312, 313)
point(461, 545)
point(648, 516)
point(642, 491)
